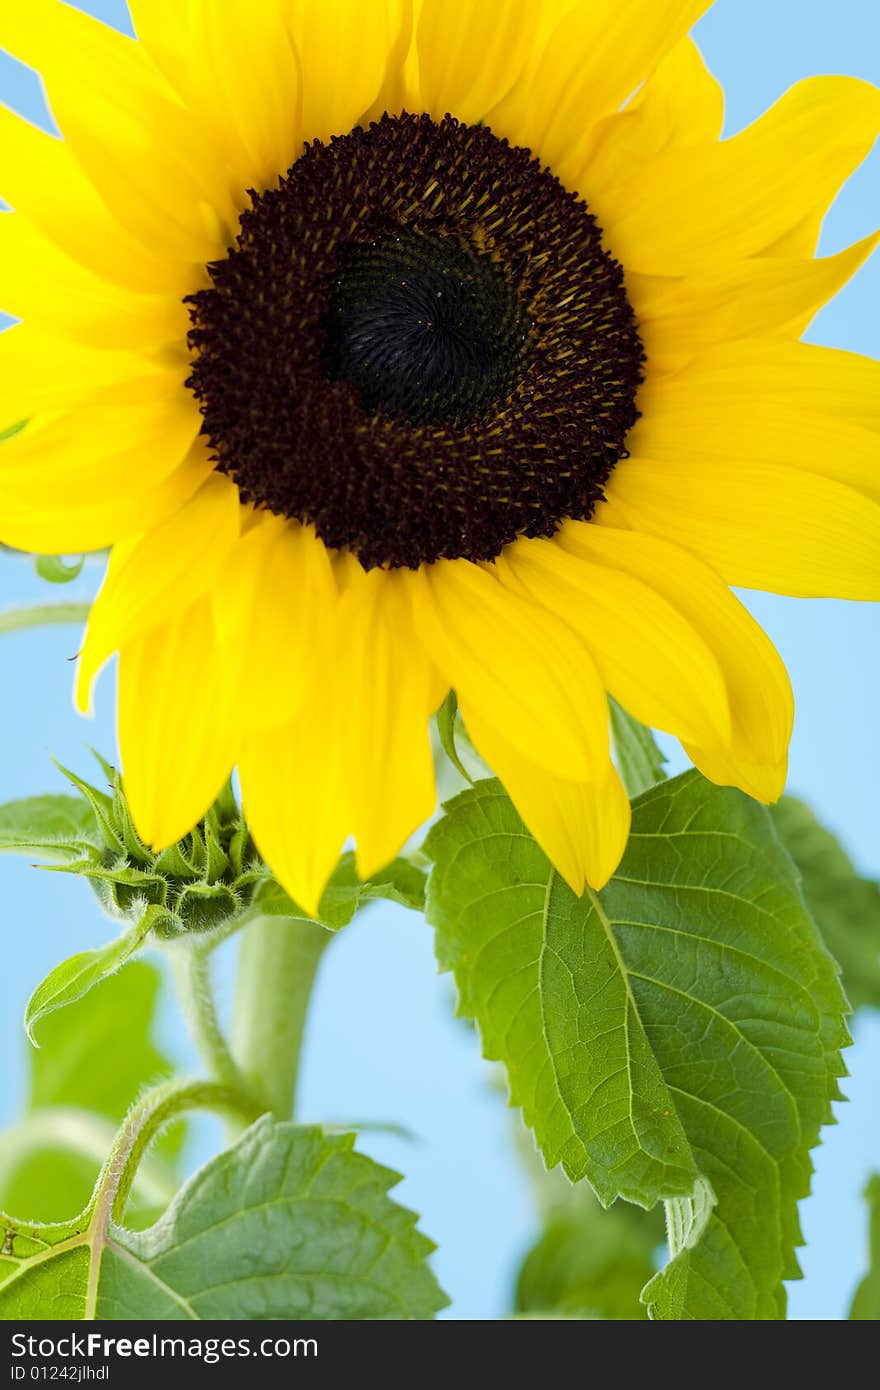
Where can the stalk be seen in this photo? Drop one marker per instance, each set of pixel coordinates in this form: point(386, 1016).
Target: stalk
point(277, 964)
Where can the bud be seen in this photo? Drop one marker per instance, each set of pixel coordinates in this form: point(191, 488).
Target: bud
point(201, 883)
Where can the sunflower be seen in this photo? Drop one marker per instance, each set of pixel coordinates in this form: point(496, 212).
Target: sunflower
point(398, 348)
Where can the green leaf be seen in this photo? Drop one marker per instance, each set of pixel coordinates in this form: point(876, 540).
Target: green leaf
point(641, 763)
point(675, 1036)
point(845, 905)
point(591, 1262)
point(288, 1223)
point(447, 716)
point(100, 1054)
point(399, 882)
point(866, 1301)
point(60, 826)
point(540, 971)
point(93, 1061)
point(55, 569)
point(10, 430)
point(78, 974)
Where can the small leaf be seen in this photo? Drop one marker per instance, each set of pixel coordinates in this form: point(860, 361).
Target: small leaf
point(11, 430)
point(447, 716)
point(640, 761)
point(78, 974)
point(845, 905)
point(399, 882)
point(866, 1301)
point(60, 826)
point(674, 1037)
point(290, 1223)
point(56, 570)
point(99, 1055)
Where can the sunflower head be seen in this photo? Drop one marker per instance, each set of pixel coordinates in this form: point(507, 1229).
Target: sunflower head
point(432, 310)
point(398, 348)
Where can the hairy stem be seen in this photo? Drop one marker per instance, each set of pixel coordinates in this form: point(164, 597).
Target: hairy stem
point(191, 965)
point(278, 961)
point(157, 1108)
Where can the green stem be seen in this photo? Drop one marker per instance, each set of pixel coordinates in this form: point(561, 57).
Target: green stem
point(277, 964)
point(85, 1134)
point(144, 1122)
point(191, 964)
point(43, 615)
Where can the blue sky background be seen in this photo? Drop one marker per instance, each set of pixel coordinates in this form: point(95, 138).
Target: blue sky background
point(384, 1044)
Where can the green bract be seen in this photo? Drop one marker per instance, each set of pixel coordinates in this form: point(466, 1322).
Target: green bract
point(196, 885)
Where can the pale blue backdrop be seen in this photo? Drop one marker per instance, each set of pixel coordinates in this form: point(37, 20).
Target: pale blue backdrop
point(385, 1045)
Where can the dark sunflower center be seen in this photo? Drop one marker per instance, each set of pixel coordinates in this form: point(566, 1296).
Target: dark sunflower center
point(425, 328)
point(418, 345)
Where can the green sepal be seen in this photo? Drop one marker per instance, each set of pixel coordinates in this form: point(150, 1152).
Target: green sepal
point(400, 882)
point(447, 719)
point(103, 809)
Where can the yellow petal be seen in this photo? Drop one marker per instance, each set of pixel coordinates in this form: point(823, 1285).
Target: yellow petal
point(277, 597)
point(682, 99)
point(400, 86)
point(147, 158)
point(248, 95)
point(40, 178)
point(582, 827)
point(177, 734)
point(294, 791)
point(393, 690)
point(798, 375)
point(764, 781)
point(682, 104)
point(164, 29)
point(41, 371)
point(470, 54)
point(159, 573)
point(95, 454)
point(679, 318)
point(711, 204)
point(345, 47)
point(43, 285)
point(515, 665)
point(52, 530)
point(594, 60)
point(760, 526)
point(758, 689)
point(651, 659)
point(771, 402)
